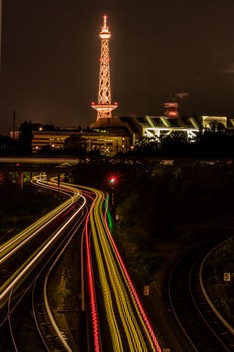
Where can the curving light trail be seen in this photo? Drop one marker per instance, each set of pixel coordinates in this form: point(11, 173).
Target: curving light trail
point(127, 322)
point(91, 286)
point(14, 244)
point(148, 329)
point(20, 273)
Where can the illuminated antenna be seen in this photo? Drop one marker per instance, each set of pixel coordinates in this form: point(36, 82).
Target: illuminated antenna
point(104, 106)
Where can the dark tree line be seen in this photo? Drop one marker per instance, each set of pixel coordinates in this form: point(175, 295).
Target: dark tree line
point(178, 205)
point(21, 146)
point(209, 143)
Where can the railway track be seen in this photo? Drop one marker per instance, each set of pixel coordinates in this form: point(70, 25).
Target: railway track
point(33, 325)
point(29, 322)
point(23, 332)
point(197, 320)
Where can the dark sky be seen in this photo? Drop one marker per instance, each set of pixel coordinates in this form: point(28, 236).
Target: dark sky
point(51, 49)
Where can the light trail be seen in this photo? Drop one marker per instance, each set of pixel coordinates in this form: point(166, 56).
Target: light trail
point(124, 311)
point(22, 272)
point(91, 286)
point(127, 325)
point(111, 270)
point(19, 240)
point(148, 328)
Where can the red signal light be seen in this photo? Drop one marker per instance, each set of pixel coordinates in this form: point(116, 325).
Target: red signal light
point(112, 179)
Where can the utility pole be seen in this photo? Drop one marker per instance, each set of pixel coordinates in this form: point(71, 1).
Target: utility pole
point(13, 122)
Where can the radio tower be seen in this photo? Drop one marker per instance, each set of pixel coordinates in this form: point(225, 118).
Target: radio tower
point(104, 106)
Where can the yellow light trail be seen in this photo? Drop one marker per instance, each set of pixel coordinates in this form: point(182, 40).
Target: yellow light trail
point(19, 240)
point(23, 271)
point(117, 290)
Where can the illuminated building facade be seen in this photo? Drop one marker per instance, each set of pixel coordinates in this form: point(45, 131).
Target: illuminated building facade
point(104, 107)
point(120, 134)
point(158, 126)
point(107, 143)
point(52, 139)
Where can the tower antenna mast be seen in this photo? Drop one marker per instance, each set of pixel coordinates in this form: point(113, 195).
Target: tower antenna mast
point(104, 107)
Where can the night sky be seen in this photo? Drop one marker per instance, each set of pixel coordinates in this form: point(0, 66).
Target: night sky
point(50, 58)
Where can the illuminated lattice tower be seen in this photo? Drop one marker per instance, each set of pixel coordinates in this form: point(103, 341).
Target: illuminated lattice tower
point(104, 107)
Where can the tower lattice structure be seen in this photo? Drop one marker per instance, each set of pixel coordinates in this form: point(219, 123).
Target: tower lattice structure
point(104, 107)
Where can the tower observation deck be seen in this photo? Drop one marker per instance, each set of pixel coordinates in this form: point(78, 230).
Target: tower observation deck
point(104, 107)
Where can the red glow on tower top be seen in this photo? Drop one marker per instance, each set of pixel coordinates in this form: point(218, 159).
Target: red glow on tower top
point(171, 109)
